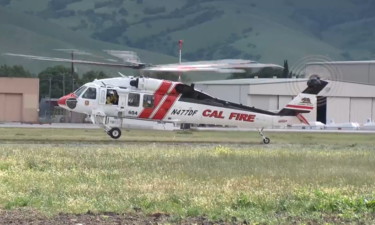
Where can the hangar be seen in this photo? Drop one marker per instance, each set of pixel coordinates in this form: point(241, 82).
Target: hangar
point(19, 100)
point(339, 101)
point(360, 72)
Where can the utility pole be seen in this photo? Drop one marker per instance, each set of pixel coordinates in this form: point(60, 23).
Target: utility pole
point(50, 110)
point(71, 113)
point(179, 72)
point(72, 72)
point(63, 84)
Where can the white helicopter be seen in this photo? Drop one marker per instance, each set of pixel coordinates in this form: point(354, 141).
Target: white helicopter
point(143, 98)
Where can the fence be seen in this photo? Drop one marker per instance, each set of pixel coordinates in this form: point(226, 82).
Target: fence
point(49, 110)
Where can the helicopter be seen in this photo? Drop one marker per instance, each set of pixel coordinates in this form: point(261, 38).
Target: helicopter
point(150, 99)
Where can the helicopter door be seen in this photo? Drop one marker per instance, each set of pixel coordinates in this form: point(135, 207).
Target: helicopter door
point(103, 95)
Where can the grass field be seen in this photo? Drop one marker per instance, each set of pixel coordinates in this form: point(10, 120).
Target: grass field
point(292, 181)
point(98, 135)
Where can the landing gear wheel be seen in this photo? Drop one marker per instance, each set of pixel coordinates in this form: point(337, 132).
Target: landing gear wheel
point(266, 140)
point(115, 133)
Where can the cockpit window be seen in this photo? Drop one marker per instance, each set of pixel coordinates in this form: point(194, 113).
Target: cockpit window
point(90, 93)
point(79, 91)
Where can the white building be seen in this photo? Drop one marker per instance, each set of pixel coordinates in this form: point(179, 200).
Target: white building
point(342, 101)
point(360, 72)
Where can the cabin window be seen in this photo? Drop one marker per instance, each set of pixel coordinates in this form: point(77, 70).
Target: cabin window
point(112, 97)
point(90, 93)
point(148, 101)
point(133, 99)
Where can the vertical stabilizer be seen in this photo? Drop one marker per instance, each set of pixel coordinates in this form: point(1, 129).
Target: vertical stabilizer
point(305, 101)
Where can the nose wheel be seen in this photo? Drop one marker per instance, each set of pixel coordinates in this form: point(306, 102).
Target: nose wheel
point(266, 140)
point(114, 133)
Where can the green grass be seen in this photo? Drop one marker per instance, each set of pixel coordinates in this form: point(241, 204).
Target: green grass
point(279, 184)
point(98, 135)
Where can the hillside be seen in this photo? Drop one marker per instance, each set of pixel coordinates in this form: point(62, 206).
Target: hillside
point(266, 31)
point(26, 34)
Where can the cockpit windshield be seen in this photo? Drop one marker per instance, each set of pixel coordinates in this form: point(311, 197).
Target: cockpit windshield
point(90, 93)
point(79, 91)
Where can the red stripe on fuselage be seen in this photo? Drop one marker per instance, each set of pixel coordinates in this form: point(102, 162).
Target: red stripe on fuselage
point(299, 107)
point(164, 87)
point(167, 104)
point(163, 110)
point(160, 92)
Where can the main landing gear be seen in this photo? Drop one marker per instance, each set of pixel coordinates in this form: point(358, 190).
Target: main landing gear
point(114, 133)
point(266, 140)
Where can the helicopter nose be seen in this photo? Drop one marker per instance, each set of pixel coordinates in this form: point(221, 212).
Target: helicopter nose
point(68, 101)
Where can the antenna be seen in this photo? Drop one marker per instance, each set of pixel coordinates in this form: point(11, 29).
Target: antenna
point(180, 45)
point(121, 74)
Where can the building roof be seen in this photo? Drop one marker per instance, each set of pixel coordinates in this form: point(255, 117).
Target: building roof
point(342, 62)
point(253, 81)
point(2, 76)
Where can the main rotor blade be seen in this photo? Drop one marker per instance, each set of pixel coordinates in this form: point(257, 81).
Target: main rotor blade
point(132, 66)
point(189, 69)
point(222, 66)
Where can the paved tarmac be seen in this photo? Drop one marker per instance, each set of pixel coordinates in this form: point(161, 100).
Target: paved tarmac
point(53, 125)
point(93, 126)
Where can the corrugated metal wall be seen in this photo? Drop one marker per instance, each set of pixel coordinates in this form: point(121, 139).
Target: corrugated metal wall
point(233, 93)
point(266, 102)
point(363, 73)
point(344, 110)
point(283, 101)
point(372, 74)
point(338, 108)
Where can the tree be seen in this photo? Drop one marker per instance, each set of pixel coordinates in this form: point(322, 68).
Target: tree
point(14, 71)
point(172, 76)
point(90, 76)
point(58, 88)
point(286, 69)
point(62, 82)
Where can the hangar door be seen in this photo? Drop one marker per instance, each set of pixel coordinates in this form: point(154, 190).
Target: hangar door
point(10, 107)
point(360, 109)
